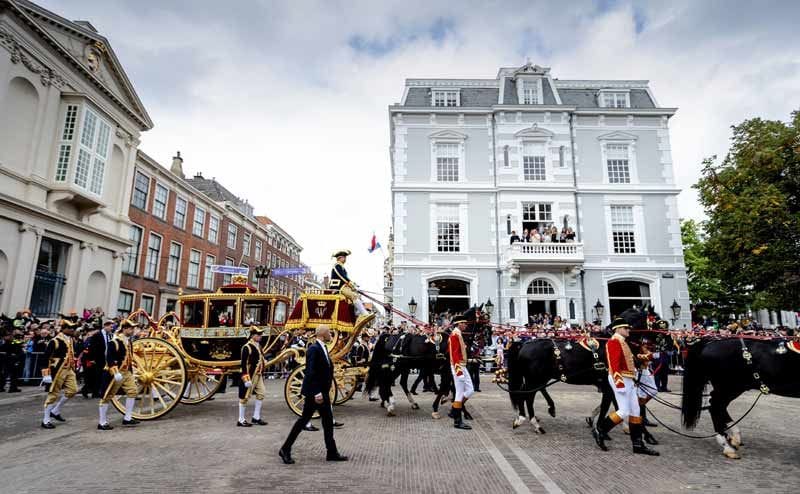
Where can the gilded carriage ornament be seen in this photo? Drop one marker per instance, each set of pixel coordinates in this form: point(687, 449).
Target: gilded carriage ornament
point(220, 352)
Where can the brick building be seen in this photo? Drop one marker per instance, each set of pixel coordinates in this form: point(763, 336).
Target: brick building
point(181, 227)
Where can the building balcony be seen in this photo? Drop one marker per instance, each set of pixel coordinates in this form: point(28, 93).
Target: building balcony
point(545, 254)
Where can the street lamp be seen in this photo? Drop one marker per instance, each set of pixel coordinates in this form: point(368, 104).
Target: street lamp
point(412, 307)
point(433, 295)
point(676, 311)
point(262, 272)
point(598, 310)
point(489, 308)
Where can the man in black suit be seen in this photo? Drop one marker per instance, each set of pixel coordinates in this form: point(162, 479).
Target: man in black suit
point(316, 390)
point(98, 351)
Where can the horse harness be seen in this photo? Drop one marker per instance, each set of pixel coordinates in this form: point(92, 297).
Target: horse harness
point(589, 344)
point(748, 358)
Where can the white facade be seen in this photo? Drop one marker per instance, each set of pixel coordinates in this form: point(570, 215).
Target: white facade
point(69, 128)
point(474, 159)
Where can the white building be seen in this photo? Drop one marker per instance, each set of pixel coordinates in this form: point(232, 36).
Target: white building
point(475, 159)
point(70, 122)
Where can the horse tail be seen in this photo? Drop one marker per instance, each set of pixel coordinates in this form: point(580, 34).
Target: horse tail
point(694, 381)
point(515, 374)
point(378, 359)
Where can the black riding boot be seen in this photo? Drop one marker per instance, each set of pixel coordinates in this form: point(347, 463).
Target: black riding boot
point(458, 423)
point(601, 432)
point(643, 411)
point(638, 445)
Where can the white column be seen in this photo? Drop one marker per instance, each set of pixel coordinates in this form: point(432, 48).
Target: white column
point(23, 268)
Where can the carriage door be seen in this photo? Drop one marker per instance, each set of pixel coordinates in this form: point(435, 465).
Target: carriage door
point(541, 299)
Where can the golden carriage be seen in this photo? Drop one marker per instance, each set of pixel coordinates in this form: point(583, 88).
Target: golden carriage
point(186, 354)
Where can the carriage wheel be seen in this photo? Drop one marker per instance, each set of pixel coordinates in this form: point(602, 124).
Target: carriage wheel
point(200, 385)
point(160, 375)
point(346, 382)
point(291, 391)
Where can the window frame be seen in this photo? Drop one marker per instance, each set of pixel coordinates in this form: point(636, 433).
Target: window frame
point(137, 174)
point(189, 270)
point(174, 272)
point(214, 219)
point(182, 225)
point(93, 150)
point(152, 298)
point(66, 142)
point(639, 233)
point(119, 298)
point(615, 93)
point(437, 214)
point(614, 139)
point(156, 202)
point(447, 137)
point(134, 257)
point(228, 279)
point(148, 263)
point(194, 221)
point(247, 240)
point(233, 230)
point(446, 94)
point(258, 250)
point(208, 275)
point(520, 84)
point(539, 145)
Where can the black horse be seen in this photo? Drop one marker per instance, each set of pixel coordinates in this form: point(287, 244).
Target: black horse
point(535, 364)
point(395, 355)
point(733, 366)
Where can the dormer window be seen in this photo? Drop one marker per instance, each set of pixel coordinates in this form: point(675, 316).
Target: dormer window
point(445, 97)
point(529, 90)
point(615, 99)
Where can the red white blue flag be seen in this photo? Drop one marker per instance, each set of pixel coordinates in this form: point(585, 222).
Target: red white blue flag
point(374, 244)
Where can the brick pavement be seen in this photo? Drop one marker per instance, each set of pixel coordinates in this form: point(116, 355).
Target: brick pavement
point(198, 448)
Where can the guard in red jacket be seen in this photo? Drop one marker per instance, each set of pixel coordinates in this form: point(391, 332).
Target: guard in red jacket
point(458, 365)
point(621, 373)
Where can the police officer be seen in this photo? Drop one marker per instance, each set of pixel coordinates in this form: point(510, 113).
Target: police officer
point(621, 372)
point(252, 381)
point(119, 374)
point(341, 283)
point(59, 374)
point(458, 366)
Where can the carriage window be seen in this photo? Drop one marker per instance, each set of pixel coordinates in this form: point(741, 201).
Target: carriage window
point(193, 312)
point(255, 312)
point(222, 313)
point(280, 313)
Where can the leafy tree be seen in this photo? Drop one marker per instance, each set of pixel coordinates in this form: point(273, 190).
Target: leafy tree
point(753, 227)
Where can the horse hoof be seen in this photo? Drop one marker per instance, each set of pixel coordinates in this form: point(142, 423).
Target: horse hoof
point(436, 415)
point(415, 407)
point(390, 413)
point(541, 431)
point(514, 424)
point(552, 412)
point(732, 455)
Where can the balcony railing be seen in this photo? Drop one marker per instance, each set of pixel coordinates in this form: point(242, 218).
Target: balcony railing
point(546, 253)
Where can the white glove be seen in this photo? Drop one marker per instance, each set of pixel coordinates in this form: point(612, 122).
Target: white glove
point(118, 377)
point(47, 379)
point(248, 384)
point(656, 354)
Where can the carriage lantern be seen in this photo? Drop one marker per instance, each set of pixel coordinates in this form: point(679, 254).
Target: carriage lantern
point(598, 309)
point(676, 310)
point(489, 307)
point(412, 307)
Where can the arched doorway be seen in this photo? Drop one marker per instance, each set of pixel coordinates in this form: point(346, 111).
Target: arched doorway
point(453, 296)
point(623, 295)
point(542, 299)
point(96, 290)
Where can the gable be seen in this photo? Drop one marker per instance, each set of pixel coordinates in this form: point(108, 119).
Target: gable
point(448, 134)
point(534, 132)
point(617, 136)
point(91, 54)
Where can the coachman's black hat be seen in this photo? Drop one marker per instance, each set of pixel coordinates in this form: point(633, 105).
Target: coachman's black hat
point(620, 323)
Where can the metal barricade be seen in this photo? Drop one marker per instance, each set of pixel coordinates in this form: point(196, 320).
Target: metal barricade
point(32, 369)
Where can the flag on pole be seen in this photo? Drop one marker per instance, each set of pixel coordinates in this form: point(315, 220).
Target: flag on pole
point(374, 244)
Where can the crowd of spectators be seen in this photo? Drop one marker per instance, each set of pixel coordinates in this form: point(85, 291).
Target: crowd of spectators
point(543, 234)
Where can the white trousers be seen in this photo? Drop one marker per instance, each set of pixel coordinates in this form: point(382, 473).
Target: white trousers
point(463, 384)
point(647, 384)
point(627, 399)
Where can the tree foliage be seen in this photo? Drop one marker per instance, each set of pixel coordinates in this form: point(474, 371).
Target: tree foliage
point(752, 242)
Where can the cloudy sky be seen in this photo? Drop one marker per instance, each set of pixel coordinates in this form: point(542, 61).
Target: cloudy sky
point(285, 103)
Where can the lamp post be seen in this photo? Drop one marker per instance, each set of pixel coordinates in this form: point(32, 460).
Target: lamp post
point(433, 295)
point(676, 311)
point(489, 306)
point(263, 272)
point(412, 307)
point(599, 309)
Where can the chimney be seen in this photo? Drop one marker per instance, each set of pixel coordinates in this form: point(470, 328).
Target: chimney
point(177, 165)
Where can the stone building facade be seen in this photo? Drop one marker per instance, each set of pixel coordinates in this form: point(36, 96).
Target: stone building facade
point(475, 160)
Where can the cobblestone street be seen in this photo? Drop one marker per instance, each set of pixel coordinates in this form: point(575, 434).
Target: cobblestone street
point(198, 448)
